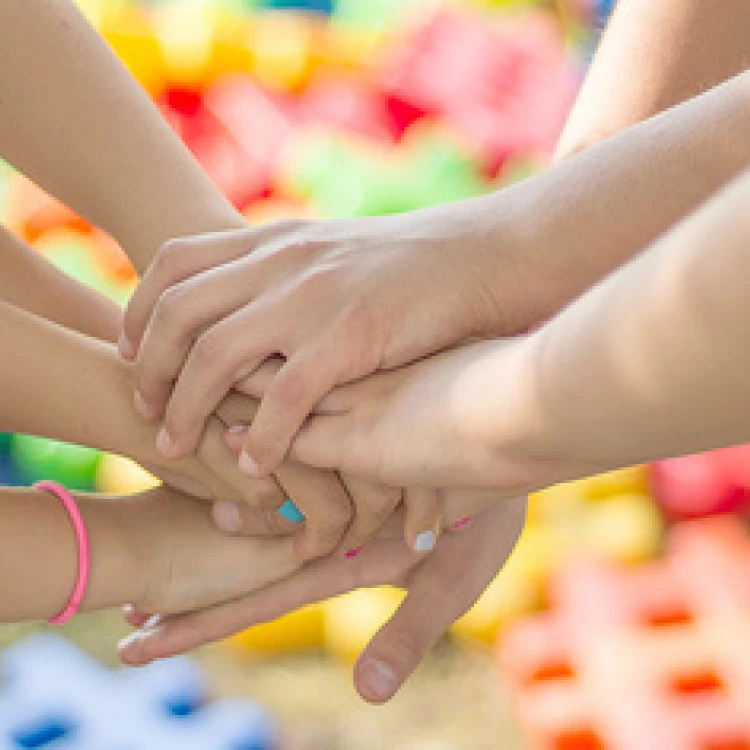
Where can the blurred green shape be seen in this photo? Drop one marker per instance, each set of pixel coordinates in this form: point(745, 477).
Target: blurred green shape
point(74, 466)
point(375, 15)
point(74, 256)
point(438, 170)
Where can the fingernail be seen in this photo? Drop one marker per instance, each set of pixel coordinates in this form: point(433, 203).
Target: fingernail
point(142, 406)
point(463, 523)
point(237, 429)
point(353, 553)
point(425, 542)
point(125, 347)
point(164, 443)
point(291, 512)
point(138, 636)
point(379, 679)
point(228, 517)
point(248, 466)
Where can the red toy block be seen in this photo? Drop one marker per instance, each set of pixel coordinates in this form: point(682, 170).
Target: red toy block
point(697, 485)
point(506, 88)
point(350, 105)
point(634, 659)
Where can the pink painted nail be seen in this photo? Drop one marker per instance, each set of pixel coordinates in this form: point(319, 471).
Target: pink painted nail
point(463, 523)
point(352, 553)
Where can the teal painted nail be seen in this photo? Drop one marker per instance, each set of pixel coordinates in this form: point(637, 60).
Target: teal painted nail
point(291, 512)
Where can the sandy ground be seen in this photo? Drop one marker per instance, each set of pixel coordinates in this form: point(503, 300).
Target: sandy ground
point(455, 701)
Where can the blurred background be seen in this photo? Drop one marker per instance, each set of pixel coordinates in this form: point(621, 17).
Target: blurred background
point(618, 621)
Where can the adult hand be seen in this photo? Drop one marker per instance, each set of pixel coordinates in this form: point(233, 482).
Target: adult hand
point(338, 300)
point(441, 588)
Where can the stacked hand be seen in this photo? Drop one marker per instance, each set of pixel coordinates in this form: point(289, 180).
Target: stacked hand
point(293, 314)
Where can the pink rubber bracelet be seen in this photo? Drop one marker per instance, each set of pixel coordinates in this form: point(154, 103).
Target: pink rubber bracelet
point(84, 550)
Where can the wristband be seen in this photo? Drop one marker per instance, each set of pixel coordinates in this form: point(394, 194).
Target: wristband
point(84, 549)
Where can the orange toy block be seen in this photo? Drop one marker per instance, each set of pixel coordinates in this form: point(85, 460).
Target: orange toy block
point(655, 657)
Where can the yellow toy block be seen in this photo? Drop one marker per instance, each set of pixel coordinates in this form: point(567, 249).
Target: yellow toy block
point(281, 45)
point(130, 34)
point(302, 630)
point(627, 528)
point(121, 476)
point(620, 482)
point(353, 619)
point(508, 597)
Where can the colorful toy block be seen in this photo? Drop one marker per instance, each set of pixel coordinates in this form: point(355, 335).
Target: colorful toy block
point(639, 658)
point(56, 697)
point(704, 483)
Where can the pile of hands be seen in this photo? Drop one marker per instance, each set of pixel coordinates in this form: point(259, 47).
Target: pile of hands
point(340, 364)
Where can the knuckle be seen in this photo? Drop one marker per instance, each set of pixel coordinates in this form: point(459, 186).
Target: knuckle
point(292, 388)
point(210, 347)
point(172, 305)
point(286, 225)
point(169, 258)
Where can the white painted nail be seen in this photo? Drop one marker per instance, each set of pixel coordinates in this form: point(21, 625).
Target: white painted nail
point(425, 542)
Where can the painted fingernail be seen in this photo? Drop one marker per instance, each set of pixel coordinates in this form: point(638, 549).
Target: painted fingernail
point(138, 636)
point(291, 512)
point(463, 523)
point(142, 406)
point(425, 542)
point(352, 553)
point(125, 347)
point(227, 517)
point(380, 681)
point(165, 444)
point(248, 465)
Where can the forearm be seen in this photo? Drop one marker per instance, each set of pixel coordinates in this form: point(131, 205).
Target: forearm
point(67, 386)
point(572, 224)
point(40, 559)
point(654, 361)
point(28, 281)
point(654, 55)
point(75, 121)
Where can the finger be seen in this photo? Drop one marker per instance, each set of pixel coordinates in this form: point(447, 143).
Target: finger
point(326, 505)
point(240, 518)
point(326, 442)
point(256, 383)
point(423, 518)
point(288, 400)
point(134, 617)
point(373, 506)
point(440, 591)
point(220, 357)
point(180, 315)
point(218, 457)
point(382, 563)
point(181, 258)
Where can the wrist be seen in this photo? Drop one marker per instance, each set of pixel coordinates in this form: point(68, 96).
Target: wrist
point(521, 443)
point(119, 561)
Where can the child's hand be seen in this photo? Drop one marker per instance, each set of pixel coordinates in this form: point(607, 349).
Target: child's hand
point(185, 563)
point(461, 419)
point(371, 505)
point(442, 587)
point(338, 300)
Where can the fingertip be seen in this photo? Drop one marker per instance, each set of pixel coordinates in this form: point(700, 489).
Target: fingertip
point(376, 680)
point(234, 437)
point(424, 543)
point(144, 407)
point(227, 517)
point(126, 347)
point(169, 447)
